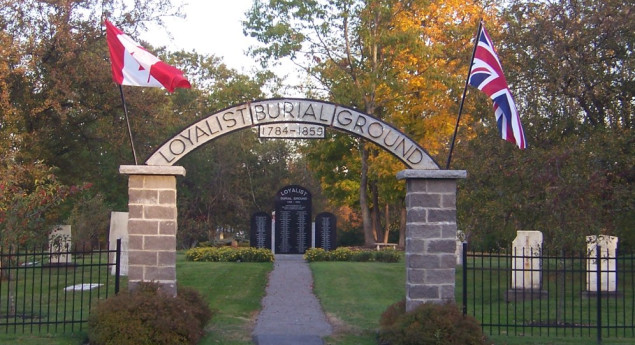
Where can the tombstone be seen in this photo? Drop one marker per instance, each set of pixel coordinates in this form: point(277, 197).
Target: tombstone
point(326, 231)
point(526, 266)
point(608, 264)
point(118, 230)
point(260, 234)
point(293, 220)
point(60, 246)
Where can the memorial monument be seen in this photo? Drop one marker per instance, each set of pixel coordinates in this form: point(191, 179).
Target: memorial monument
point(326, 231)
point(293, 220)
point(260, 234)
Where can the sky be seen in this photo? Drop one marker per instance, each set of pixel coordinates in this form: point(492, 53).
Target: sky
point(210, 27)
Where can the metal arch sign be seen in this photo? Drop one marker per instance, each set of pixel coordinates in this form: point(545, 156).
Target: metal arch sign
point(292, 110)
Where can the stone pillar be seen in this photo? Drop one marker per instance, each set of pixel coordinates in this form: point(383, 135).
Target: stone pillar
point(152, 224)
point(430, 235)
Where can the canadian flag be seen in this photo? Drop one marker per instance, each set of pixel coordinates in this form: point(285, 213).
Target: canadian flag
point(133, 65)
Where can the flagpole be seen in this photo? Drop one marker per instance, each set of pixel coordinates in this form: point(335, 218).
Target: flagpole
point(467, 80)
point(125, 110)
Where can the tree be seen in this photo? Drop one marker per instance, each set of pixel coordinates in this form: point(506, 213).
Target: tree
point(570, 66)
point(29, 196)
point(382, 57)
point(61, 122)
point(235, 175)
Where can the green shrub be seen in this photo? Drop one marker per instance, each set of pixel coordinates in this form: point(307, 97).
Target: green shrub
point(340, 254)
point(362, 256)
point(198, 306)
point(387, 255)
point(348, 254)
point(315, 254)
point(229, 254)
point(392, 313)
point(250, 254)
point(147, 316)
point(429, 323)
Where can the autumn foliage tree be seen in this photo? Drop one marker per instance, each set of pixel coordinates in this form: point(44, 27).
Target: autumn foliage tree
point(61, 122)
point(394, 60)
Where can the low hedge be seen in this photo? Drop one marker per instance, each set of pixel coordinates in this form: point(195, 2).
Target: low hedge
point(229, 254)
point(348, 254)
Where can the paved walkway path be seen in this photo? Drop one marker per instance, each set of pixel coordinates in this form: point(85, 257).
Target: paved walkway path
point(291, 313)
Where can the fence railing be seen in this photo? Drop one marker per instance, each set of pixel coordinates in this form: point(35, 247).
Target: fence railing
point(44, 291)
point(557, 295)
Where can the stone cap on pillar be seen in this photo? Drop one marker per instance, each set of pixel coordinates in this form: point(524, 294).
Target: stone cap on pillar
point(152, 170)
point(431, 174)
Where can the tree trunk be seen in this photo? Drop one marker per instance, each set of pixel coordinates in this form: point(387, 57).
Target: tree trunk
point(402, 228)
point(363, 197)
point(375, 212)
point(387, 220)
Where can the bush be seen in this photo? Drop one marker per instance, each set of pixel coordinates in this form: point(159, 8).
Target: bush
point(315, 254)
point(147, 316)
point(348, 254)
point(340, 254)
point(429, 323)
point(363, 256)
point(387, 255)
point(229, 254)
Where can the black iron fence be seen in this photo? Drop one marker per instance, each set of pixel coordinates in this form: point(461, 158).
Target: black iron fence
point(547, 294)
point(53, 291)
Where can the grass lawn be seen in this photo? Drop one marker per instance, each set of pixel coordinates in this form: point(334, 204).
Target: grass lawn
point(353, 295)
point(234, 292)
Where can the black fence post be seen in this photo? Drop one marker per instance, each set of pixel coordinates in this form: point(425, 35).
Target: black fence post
point(117, 265)
point(598, 269)
point(464, 280)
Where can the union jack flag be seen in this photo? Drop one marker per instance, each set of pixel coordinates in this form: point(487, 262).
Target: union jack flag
point(486, 74)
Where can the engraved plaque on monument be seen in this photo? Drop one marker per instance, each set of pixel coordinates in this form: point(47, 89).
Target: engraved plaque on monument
point(293, 220)
point(260, 234)
point(326, 231)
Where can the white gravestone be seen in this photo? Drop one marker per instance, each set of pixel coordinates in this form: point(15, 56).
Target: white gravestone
point(527, 264)
point(526, 267)
point(608, 263)
point(119, 230)
point(60, 245)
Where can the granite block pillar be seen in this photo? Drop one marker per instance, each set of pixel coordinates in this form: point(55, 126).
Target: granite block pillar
point(152, 225)
point(430, 235)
